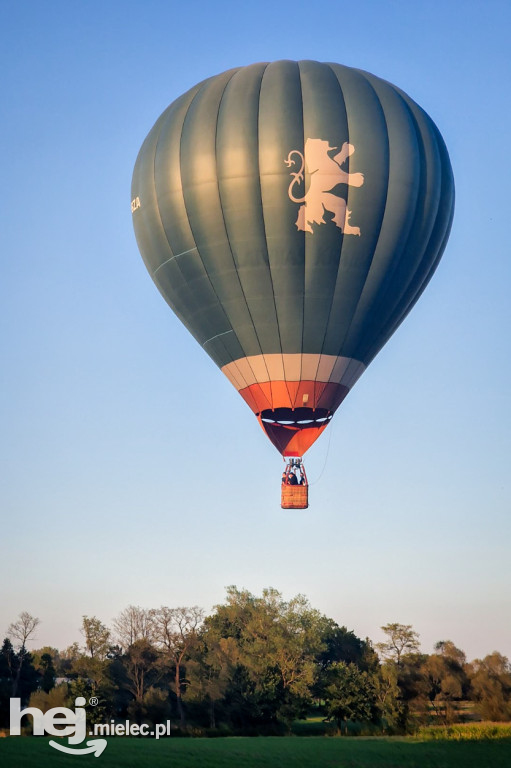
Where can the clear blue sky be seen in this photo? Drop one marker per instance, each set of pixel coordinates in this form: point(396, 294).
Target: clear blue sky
point(120, 484)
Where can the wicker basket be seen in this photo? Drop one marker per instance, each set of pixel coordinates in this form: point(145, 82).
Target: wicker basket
point(295, 496)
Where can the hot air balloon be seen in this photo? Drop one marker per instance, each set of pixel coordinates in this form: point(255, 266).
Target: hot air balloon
point(291, 214)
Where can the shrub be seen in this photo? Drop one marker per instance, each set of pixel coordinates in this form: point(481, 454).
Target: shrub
point(465, 732)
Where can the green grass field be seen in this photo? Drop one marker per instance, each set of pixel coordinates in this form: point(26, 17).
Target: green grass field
point(265, 752)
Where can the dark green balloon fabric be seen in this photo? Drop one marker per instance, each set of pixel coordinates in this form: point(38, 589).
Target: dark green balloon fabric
point(217, 228)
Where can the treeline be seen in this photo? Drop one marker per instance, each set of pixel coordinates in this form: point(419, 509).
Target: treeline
point(255, 665)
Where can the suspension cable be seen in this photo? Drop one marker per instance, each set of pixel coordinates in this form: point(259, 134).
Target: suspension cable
point(326, 456)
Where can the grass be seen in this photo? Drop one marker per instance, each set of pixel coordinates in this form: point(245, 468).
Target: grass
point(265, 752)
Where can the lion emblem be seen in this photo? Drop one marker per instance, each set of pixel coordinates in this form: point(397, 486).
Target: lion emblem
point(325, 174)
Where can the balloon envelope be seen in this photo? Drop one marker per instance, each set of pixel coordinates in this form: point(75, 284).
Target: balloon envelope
point(291, 214)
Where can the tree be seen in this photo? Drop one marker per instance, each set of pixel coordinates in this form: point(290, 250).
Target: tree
point(274, 645)
point(86, 688)
point(139, 664)
point(156, 705)
point(340, 644)
point(7, 674)
point(97, 637)
point(449, 651)
point(67, 660)
point(133, 624)
point(283, 638)
point(57, 697)
point(401, 639)
point(284, 635)
point(209, 671)
point(490, 680)
point(7, 661)
point(93, 664)
point(350, 695)
point(388, 695)
point(48, 672)
point(175, 631)
point(27, 677)
point(444, 681)
point(414, 689)
point(21, 632)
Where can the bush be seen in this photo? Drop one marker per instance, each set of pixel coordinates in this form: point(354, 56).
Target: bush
point(465, 732)
point(57, 697)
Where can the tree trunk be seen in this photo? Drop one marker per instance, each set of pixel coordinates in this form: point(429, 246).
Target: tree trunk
point(212, 722)
point(16, 680)
point(180, 708)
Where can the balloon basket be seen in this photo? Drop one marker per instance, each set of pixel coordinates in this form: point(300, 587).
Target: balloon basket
point(295, 497)
point(295, 488)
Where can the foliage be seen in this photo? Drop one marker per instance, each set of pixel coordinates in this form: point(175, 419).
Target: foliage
point(94, 663)
point(446, 679)
point(18, 677)
point(465, 732)
point(175, 632)
point(350, 694)
point(401, 639)
point(100, 712)
point(388, 699)
point(97, 637)
point(491, 686)
point(48, 672)
point(255, 665)
point(57, 697)
point(272, 648)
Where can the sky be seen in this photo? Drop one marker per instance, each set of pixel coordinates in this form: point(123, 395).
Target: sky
point(120, 482)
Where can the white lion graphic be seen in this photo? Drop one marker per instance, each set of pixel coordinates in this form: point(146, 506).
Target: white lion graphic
point(325, 173)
